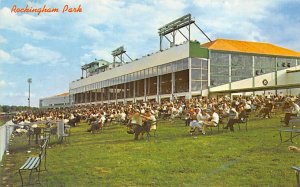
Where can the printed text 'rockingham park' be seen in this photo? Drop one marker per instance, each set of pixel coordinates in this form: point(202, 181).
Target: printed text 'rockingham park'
point(38, 10)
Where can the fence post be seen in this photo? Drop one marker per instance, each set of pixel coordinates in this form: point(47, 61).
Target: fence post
point(5, 131)
point(7, 134)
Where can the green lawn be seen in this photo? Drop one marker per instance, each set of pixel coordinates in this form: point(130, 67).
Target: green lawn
point(2, 122)
point(173, 158)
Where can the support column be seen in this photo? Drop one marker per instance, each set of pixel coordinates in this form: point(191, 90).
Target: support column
point(229, 66)
point(116, 93)
point(253, 73)
point(157, 89)
point(145, 89)
point(96, 95)
point(276, 75)
point(160, 43)
point(108, 94)
point(91, 96)
point(134, 91)
point(189, 28)
point(173, 85)
point(190, 78)
point(125, 90)
point(101, 95)
point(73, 102)
point(173, 35)
point(208, 73)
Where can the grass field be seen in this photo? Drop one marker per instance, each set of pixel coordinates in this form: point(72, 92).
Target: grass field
point(173, 158)
point(2, 122)
point(4, 119)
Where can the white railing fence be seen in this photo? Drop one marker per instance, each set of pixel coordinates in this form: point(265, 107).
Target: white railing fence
point(5, 134)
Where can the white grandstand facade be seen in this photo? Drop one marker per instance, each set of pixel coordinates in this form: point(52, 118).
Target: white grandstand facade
point(219, 67)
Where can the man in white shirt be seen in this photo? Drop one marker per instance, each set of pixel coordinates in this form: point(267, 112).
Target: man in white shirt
point(123, 116)
point(213, 122)
point(232, 117)
point(295, 111)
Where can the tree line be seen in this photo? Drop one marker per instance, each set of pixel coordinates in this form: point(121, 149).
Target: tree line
point(10, 109)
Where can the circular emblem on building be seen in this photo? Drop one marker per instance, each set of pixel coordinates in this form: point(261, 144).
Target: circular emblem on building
point(265, 82)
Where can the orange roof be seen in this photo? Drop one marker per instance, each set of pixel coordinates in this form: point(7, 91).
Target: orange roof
point(63, 94)
point(249, 47)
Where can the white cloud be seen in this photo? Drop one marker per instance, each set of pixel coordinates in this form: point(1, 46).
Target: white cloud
point(100, 53)
point(5, 84)
point(254, 9)
point(2, 40)
point(18, 98)
point(2, 83)
point(25, 24)
point(17, 94)
point(234, 18)
point(29, 54)
point(93, 33)
point(132, 25)
point(5, 57)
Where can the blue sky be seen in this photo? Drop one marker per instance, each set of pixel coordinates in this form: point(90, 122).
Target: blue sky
point(50, 48)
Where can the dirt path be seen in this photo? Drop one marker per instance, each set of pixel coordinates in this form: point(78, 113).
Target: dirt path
point(8, 168)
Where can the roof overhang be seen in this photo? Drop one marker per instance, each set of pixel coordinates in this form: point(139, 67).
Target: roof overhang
point(262, 88)
point(293, 71)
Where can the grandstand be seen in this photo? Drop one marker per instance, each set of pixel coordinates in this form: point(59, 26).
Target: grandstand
point(219, 67)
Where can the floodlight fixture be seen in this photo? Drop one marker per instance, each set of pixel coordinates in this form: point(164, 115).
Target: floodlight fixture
point(118, 51)
point(174, 26)
point(119, 54)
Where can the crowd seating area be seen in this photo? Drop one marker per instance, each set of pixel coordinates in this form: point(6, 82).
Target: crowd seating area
point(200, 114)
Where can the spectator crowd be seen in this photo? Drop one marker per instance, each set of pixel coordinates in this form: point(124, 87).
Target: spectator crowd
point(199, 113)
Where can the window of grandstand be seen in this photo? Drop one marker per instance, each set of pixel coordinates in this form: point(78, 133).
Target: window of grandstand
point(286, 63)
point(266, 64)
point(181, 81)
point(165, 83)
point(219, 68)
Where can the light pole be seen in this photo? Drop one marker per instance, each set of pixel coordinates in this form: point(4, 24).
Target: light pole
point(29, 82)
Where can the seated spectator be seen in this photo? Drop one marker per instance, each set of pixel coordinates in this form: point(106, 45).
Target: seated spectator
point(187, 119)
point(232, 117)
point(194, 122)
point(294, 111)
point(266, 109)
point(242, 113)
point(149, 119)
point(201, 117)
point(212, 122)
